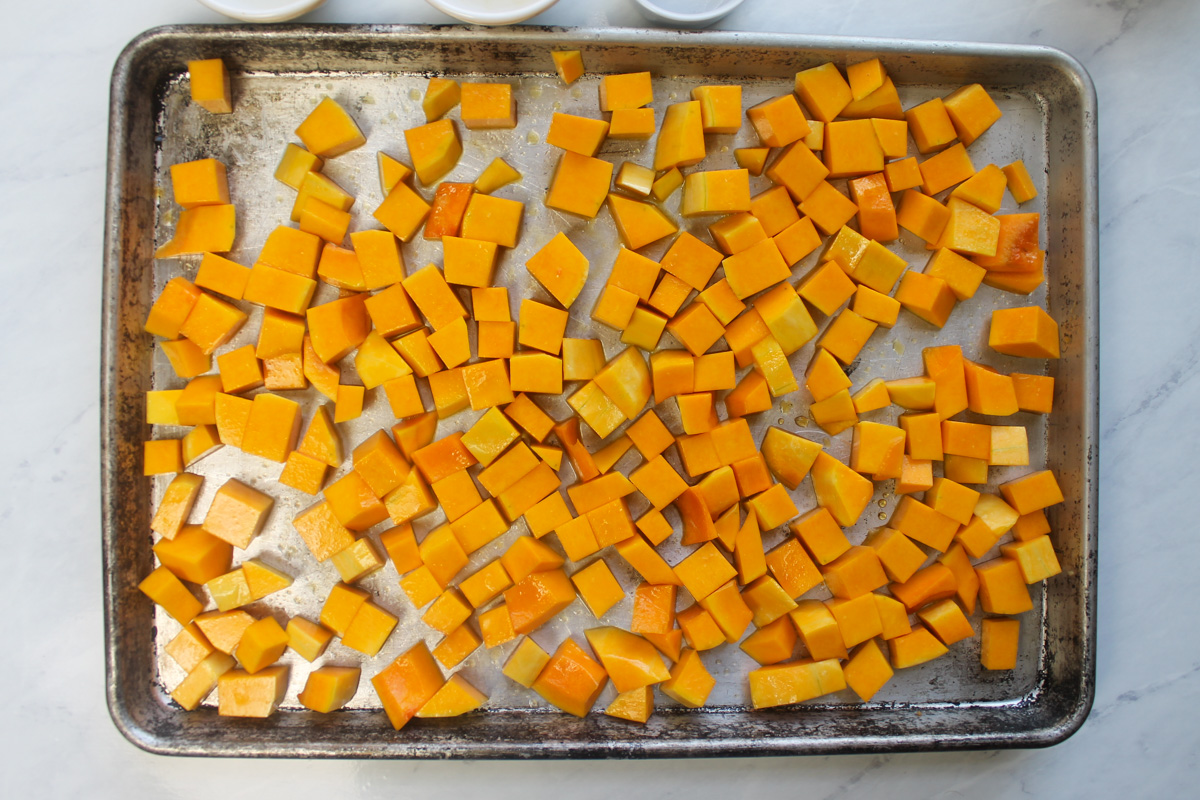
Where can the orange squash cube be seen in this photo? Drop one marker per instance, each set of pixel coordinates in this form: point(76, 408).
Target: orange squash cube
point(915, 648)
point(434, 149)
point(824, 91)
point(537, 598)
point(778, 121)
point(681, 138)
point(931, 126)
point(571, 679)
point(580, 185)
point(867, 671)
point(208, 84)
point(971, 111)
point(795, 681)
point(407, 684)
point(720, 108)
point(852, 148)
point(999, 641)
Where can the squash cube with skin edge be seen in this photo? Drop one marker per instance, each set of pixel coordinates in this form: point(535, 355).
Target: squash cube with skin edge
point(434, 149)
point(209, 86)
point(715, 192)
point(720, 108)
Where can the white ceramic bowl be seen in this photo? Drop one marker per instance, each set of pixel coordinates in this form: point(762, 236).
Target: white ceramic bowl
point(263, 10)
point(492, 12)
point(687, 13)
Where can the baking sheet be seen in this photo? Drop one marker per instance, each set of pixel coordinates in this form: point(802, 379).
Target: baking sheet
point(379, 75)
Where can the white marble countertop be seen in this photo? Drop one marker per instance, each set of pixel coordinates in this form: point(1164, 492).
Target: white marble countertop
point(1141, 740)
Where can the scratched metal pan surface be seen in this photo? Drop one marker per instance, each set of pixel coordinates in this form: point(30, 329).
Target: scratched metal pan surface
point(379, 73)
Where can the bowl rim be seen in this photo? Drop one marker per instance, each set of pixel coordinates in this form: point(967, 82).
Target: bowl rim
point(460, 9)
point(702, 16)
point(280, 12)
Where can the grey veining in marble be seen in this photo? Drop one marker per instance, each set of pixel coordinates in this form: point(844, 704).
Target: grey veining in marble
point(1142, 739)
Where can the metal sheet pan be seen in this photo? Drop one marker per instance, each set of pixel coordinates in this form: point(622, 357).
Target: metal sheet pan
point(379, 72)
